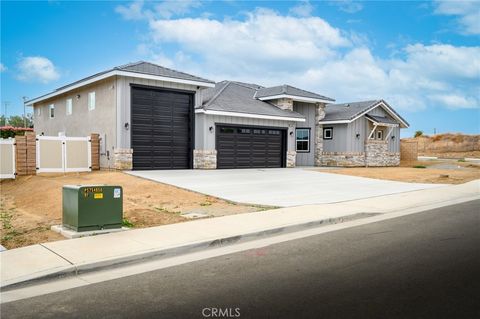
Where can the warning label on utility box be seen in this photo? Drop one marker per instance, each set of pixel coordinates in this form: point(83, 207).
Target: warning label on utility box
point(117, 192)
point(98, 195)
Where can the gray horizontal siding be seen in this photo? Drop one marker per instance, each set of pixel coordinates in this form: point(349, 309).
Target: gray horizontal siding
point(204, 139)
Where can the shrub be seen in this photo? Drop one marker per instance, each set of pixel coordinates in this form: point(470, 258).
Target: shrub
point(10, 131)
point(418, 133)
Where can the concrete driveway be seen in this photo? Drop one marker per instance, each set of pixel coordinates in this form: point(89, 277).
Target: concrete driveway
point(279, 186)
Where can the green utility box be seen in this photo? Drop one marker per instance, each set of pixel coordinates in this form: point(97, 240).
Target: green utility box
point(92, 207)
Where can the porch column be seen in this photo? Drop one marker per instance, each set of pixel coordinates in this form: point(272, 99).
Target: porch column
point(318, 141)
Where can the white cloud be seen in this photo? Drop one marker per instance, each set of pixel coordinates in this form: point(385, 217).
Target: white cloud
point(37, 69)
point(270, 49)
point(468, 13)
point(2, 67)
point(164, 10)
point(348, 6)
point(303, 9)
point(134, 11)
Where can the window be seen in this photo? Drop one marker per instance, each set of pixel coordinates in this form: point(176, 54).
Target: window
point(379, 135)
point(273, 132)
point(39, 111)
point(328, 133)
point(91, 101)
point(51, 109)
point(244, 131)
point(303, 140)
point(68, 106)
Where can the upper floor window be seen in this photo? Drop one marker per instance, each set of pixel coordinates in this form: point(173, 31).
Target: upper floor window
point(91, 101)
point(39, 111)
point(51, 110)
point(303, 140)
point(69, 106)
point(328, 133)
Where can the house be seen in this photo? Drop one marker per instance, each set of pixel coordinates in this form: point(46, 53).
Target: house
point(152, 117)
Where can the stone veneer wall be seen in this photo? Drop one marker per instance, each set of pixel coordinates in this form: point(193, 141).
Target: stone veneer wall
point(284, 104)
point(291, 158)
point(123, 159)
point(343, 159)
point(318, 141)
point(204, 159)
point(377, 154)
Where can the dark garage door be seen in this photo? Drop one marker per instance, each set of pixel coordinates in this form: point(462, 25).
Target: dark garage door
point(161, 129)
point(249, 147)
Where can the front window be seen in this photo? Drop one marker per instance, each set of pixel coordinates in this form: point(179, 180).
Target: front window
point(91, 101)
point(69, 106)
point(51, 109)
point(328, 133)
point(303, 140)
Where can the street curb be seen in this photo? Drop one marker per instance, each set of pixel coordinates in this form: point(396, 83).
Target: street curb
point(191, 247)
point(177, 250)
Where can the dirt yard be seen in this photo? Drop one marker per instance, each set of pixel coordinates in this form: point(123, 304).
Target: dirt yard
point(31, 204)
point(435, 172)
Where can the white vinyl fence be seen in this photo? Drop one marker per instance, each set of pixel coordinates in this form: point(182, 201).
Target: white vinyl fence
point(63, 154)
point(7, 158)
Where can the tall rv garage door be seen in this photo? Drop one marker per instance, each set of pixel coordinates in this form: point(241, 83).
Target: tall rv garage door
point(162, 127)
point(250, 147)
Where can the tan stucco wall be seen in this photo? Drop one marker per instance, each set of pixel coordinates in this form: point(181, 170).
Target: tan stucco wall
point(82, 121)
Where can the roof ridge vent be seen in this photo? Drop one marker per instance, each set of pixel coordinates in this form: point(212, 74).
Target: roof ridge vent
point(347, 105)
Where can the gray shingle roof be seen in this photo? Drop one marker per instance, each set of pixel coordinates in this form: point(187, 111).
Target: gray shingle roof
point(229, 96)
point(349, 111)
point(154, 69)
point(289, 90)
point(141, 67)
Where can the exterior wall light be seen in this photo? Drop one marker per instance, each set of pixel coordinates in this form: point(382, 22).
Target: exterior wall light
point(210, 129)
point(291, 133)
point(78, 96)
point(393, 137)
point(357, 135)
point(127, 126)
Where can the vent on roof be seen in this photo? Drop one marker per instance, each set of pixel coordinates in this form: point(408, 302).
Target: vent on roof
point(347, 105)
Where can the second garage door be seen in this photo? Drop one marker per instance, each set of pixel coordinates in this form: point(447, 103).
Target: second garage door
point(162, 123)
point(250, 147)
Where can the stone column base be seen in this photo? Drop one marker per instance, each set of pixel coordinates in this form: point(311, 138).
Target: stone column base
point(291, 158)
point(377, 154)
point(204, 159)
point(123, 159)
point(343, 159)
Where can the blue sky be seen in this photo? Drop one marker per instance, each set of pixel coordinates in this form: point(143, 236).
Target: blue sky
point(421, 57)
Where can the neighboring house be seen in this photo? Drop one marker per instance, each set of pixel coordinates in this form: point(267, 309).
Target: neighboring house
point(151, 117)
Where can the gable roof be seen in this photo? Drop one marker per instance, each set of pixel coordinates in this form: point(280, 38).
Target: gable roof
point(239, 98)
point(285, 90)
point(140, 69)
point(381, 119)
point(349, 112)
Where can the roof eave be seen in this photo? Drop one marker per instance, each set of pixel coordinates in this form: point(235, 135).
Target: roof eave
point(250, 115)
point(295, 98)
point(115, 72)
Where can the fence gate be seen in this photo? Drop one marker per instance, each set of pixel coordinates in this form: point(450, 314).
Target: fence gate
point(7, 158)
point(63, 154)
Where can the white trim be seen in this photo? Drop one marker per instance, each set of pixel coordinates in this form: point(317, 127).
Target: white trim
point(334, 122)
point(248, 115)
point(388, 134)
point(121, 73)
point(295, 98)
point(382, 124)
point(10, 141)
point(331, 133)
point(372, 132)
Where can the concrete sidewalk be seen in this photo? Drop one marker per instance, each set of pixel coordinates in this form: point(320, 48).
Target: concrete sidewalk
point(82, 254)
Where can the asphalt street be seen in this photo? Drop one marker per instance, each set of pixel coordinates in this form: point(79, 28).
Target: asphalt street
point(425, 265)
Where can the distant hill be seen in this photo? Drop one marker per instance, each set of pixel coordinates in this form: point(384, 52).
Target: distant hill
point(448, 145)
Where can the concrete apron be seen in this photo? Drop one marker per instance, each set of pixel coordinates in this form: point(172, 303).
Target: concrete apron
point(51, 260)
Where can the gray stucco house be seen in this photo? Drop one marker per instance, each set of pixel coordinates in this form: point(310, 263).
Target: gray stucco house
point(151, 117)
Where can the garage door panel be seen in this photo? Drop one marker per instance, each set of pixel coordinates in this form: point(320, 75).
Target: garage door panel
point(161, 129)
point(249, 147)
